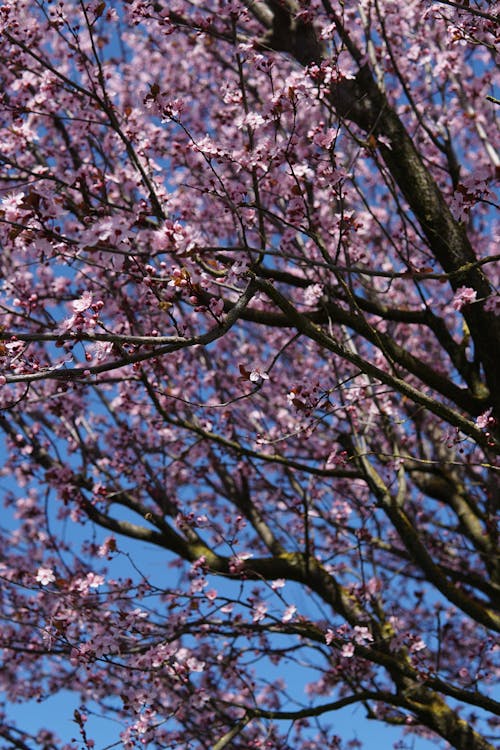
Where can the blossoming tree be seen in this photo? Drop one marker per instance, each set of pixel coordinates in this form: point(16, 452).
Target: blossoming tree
point(250, 318)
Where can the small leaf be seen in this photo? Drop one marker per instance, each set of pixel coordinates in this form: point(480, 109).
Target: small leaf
point(100, 10)
point(245, 374)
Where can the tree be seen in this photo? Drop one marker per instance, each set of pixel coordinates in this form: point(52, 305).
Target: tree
point(250, 317)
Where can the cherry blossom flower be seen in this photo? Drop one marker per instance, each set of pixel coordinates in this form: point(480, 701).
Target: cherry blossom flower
point(279, 583)
point(463, 296)
point(484, 419)
point(362, 634)
point(83, 303)
point(259, 611)
point(417, 644)
point(257, 375)
point(45, 576)
point(289, 613)
point(347, 650)
point(492, 304)
point(313, 294)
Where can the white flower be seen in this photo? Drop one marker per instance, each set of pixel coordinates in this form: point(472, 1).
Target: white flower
point(348, 650)
point(289, 613)
point(278, 583)
point(83, 303)
point(313, 294)
point(257, 375)
point(259, 611)
point(463, 296)
point(418, 645)
point(362, 634)
point(45, 576)
point(483, 420)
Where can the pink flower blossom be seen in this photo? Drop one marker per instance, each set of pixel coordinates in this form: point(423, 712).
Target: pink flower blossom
point(325, 139)
point(90, 581)
point(217, 306)
point(463, 296)
point(83, 303)
point(107, 547)
point(45, 576)
point(259, 611)
point(483, 420)
point(289, 613)
point(417, 645)
point(348, 650)
point(313, 294)
point(362, 635)
point(278, 584)
point(492, 304)
point(257, 375)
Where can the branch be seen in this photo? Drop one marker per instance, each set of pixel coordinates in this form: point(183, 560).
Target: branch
point(409, 536)
point(473, 11)
point(303, 324)
point(386, 344)
point(237, 729)
point(176, 343)
point(323, 708)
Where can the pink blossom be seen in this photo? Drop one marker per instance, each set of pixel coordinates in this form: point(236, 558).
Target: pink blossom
point(347, 650)
point(362, 635)
point(417, 645)
point(217, 306)
point(257, 375)
point(289, 613)
point(12, 206)
point(279, 583)
point(325, 139)
point(252, 120)
point(107, 547)
point(483, 420)
point(463, 296)
point(313, 294)
point(83, 303)
point(45, 576)
point(259, 611)
point(91, 581)
point(492, 304)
